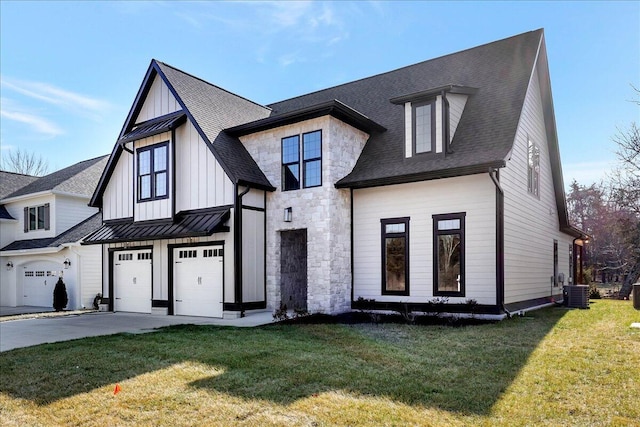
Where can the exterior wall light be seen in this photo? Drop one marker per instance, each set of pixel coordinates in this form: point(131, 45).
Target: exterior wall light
point(288, 214)
point(67, 263)
point(9, 265)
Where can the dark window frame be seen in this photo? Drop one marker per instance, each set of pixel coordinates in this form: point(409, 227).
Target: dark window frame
point(533, 168)
point(41, 218)
point(414, 106)
point(286, 165)
point(305, 161)
point(301, 162)
point(436, 233)
point(383, 255)
point(153, 174)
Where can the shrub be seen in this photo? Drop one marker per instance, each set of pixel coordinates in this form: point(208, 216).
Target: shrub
point(594, 293)
point(60, 298)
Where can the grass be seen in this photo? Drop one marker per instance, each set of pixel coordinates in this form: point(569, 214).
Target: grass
point(552, 367)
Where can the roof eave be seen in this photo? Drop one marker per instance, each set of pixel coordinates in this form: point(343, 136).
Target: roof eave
point(421, 176)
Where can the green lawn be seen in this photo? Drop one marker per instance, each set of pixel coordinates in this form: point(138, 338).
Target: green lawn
point(552, 367)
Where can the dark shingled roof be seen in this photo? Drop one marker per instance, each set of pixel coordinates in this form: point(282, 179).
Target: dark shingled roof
point(80, 179)
point(11, 182)
point(487, 128)
point(72, 235)
point(210, 109)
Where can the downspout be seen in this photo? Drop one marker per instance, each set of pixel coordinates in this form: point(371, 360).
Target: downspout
point(495, 176)
point(445, 123)
point(237, 247)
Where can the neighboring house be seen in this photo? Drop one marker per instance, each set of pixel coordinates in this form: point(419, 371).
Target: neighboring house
point(437, 180)
point(46, 218)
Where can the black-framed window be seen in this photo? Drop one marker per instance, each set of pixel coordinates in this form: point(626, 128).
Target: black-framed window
point(153, 176)
point(291, 163)
point(533, 168)
point(423, 115)
point(36, 218)
point(312, 159)
point(395, 256)
point(305, 169)
point(448, 254)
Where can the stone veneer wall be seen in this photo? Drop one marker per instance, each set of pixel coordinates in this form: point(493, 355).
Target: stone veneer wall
point(325, 212)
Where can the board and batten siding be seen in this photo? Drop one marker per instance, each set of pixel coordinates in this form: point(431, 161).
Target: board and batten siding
point(200, 180)
point(154, 209)
point(90, 274)
point(473, 194)
point(159, 101)
point(117, 200)
point(530, 223)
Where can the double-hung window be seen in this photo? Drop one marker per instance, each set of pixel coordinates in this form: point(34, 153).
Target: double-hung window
point(153, 177)
point(395, 256)
point(448, 254)
point(36, 218)
point(424, 129)
point(533, 169)
point(310, 163)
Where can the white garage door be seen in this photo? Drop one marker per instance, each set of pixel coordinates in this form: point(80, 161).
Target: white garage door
point(197, 281)
point(132, 281)
point(38, 282)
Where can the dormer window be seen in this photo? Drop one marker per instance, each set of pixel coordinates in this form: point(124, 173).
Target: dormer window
point(36, 218)
point(424, 127)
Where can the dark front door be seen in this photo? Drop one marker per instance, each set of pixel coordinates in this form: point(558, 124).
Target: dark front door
point(293, 269)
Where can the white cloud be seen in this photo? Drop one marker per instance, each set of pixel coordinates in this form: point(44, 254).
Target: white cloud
point(37, 123)
point(50, 94)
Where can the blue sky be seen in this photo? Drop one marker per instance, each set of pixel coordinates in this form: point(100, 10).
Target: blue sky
point(70, 70)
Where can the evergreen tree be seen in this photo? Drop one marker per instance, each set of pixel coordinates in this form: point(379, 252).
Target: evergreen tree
point(60, 298)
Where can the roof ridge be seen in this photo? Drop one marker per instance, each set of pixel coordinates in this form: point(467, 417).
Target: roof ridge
point(18, 173)
point(211, 84)
point(541, 30)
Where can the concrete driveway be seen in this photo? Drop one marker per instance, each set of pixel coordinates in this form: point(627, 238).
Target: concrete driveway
point(28, 332)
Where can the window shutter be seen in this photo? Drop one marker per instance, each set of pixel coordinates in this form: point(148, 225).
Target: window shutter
point(46, 216)
point(26, 220)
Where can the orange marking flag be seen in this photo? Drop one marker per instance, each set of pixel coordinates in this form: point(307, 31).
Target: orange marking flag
point(117, 389)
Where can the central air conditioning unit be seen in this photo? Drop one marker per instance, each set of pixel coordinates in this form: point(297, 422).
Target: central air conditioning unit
point(576, 296)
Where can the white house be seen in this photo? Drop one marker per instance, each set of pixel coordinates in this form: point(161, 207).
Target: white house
point(43, 221)
point(440, 180)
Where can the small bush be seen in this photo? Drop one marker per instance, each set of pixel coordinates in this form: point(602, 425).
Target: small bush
point(594, 293)
point(60, 298)
point(281, 313)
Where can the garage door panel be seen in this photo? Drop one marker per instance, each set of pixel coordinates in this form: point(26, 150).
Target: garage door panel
point(132, 281)
point(38, 282)
point(198, 281)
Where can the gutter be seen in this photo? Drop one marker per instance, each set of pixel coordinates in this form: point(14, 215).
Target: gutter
point(494, 173)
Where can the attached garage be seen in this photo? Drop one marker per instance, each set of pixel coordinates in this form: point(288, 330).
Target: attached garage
point(38, 281)
point(132, 280)
point(198, 280)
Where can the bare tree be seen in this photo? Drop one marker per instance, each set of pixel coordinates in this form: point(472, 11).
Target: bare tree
point(24, 162)
point(625, 192)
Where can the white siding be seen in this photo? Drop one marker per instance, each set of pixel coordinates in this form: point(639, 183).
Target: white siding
point(531, 223)
point(200, 180)
point(456, 107)
point(90, 276)
point(253, 278)
point(154, 209)
point(16, 210)
point(474, 195)
point(71, 211)
point(117, 200)
point(159, 101)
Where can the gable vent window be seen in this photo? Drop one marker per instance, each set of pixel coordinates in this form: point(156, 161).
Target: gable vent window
point(36, 218)
point(533, 169)
point(306, 169)
point(153, 177)
point(424, 129)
